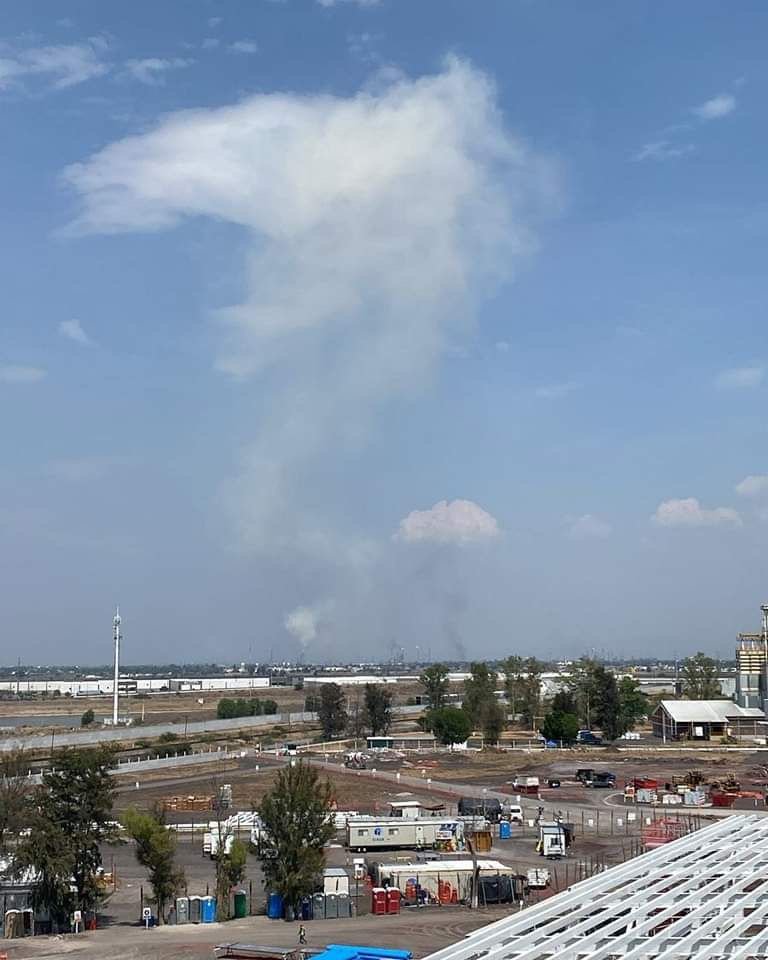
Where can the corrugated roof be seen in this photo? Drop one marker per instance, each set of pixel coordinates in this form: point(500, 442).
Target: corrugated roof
point(709, 711)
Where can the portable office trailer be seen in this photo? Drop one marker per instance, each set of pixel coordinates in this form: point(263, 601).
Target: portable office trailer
point(371, 833)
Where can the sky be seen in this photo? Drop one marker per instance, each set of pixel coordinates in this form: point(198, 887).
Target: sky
point(335, 328)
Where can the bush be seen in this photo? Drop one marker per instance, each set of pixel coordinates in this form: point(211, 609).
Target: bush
point(87, 718)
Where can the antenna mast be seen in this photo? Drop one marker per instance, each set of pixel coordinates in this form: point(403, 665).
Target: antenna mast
point(116, 691)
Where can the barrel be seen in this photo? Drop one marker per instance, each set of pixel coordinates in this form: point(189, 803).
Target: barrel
point(241, 904)
point(274, 906)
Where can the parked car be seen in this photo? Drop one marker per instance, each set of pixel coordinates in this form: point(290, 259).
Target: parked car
point(552, 782)
point(588, 739)
point(604, 780)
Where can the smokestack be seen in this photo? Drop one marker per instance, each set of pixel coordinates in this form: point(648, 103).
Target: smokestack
point(115, 692)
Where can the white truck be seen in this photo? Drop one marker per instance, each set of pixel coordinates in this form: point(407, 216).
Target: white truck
point(372, 833)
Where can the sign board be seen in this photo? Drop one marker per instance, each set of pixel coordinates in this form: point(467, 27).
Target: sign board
point(78, 916)
point(146, 913)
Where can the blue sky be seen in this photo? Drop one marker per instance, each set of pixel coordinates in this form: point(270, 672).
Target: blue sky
point(340, 327)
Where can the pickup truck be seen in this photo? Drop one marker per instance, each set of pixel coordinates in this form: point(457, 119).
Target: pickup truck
point(588, 739)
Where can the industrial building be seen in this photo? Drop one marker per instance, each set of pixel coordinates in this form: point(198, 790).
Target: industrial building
point(705, 719)
point(752, 666)
point(704, 895)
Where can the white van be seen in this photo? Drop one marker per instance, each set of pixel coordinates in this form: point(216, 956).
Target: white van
point(512, 812)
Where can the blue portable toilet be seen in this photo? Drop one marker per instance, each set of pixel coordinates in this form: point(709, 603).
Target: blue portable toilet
point(505, 830)
point(208, 910)
point(275, 906)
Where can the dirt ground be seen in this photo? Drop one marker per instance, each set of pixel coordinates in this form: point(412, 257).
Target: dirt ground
point(420, 931)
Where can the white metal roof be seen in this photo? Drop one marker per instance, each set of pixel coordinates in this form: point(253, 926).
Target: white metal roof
point(444, 866)
point(703, 897)
point(706, 711)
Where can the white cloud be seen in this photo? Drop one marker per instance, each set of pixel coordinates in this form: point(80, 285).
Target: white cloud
point(663, 150)
point(589, 527)
point(689, 513)
point(58, 67)
point(553, 391)
point(243, 46)
point(460, 521)
point(152, 70)
point(740, 378)
point(755, 485)
point(73, 330)
point(717, 107)
point(214, 22)
point(360, 3)
point(377, 223)
point(11, 373)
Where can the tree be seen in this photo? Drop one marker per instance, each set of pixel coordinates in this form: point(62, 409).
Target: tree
point(479, 688)
point(633, 703)
point(513, 681)
point(296, 815)
point(87, 718)
point(378, 709)
point(564, 702)
point(480, 701)
point(156, 850)
point(450, 725)
point(530, 697)
point(435, 682)
point(332, 711)
point(72, 818)
point(230, 872)
point(14, 793)
point(700, 678)
point(596, 694)
point(559, 726)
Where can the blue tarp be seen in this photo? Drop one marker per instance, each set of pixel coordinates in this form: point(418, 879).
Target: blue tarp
point(342, 951)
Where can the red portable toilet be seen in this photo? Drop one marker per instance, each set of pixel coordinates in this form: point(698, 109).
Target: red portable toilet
point(393, 900)
point(378, 900)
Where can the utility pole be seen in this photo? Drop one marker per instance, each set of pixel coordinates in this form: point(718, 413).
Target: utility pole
point(116, 691)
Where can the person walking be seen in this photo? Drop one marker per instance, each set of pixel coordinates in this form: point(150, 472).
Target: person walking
point(302, 935)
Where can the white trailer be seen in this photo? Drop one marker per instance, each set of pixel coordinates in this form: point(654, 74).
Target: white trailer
point(372, 833)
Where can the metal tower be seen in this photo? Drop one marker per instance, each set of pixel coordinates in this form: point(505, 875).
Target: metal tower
point(116, 691)
point(764, 611)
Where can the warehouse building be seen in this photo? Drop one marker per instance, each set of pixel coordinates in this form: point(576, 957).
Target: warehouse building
point(705, 719)
point(704, 895)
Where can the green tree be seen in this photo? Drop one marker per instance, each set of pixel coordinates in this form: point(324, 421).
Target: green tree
point(582, 686)
point(633, 703)
point(450, 725)
point(296, 815)
point(479, 689)
point(435, 682)
point(564, 702)
point(530, 693)
point(14, 795)
point(607, 709)
point(155, 849)
point(332, 711)
point(225, 709)
point(230, 872)
point(378, 709)
point(559, 726)
point(72, 818)
point(480, 701)
point(87, 718)
point(513, 682)
point(700, 678)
